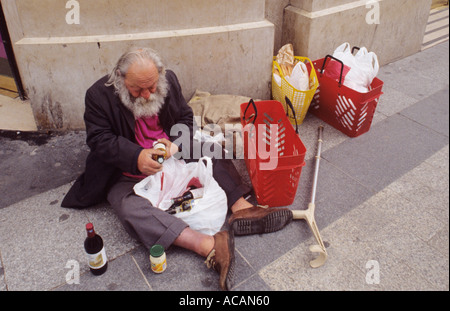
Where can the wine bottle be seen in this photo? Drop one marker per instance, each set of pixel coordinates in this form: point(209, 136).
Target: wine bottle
point(188, 195)
point(93, 245)
point(183, 207)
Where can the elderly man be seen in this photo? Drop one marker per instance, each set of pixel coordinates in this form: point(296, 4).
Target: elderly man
point(126, 111)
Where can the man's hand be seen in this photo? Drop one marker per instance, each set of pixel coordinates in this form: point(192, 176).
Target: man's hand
point(146, 165)
point(171, 148)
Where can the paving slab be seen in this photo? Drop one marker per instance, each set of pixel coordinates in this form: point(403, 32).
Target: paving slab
point(387, 151)
point(35, 253)
point(123, 275)
point(408, 246)
point(437, 115)
point(419, 75)
point(393, 101)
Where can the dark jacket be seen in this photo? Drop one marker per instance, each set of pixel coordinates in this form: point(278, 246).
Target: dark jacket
point(111, 139)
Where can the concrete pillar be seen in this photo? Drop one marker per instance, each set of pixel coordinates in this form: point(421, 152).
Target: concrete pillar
point(393, 29)
point(62, 47)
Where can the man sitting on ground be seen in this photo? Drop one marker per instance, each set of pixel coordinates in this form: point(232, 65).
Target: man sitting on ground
point(126, 111)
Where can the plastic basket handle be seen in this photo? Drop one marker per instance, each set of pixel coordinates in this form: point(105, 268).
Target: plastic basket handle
point(339, 61)
point(289, 103)
point(253, 115)
point(355, 48)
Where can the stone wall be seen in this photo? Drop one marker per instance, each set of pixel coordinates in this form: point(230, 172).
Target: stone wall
point(212, 45)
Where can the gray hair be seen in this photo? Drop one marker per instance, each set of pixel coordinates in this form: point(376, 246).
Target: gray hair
point(131, 57)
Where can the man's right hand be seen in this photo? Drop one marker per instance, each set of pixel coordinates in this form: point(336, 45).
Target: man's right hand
point(146, 165)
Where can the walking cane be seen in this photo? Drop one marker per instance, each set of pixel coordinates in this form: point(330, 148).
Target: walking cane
point(308, 214)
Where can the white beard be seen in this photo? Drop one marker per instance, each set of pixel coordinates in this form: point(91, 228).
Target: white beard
point(141, 107)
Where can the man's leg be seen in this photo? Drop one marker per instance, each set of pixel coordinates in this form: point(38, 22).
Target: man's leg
point(151, 225)
point(195, 241)
point(143, 222)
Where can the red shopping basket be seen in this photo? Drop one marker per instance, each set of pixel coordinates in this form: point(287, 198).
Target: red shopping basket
point(273, 152)
point(343, 108)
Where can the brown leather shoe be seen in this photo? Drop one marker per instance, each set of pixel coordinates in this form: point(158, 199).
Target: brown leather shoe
point(221, 258)
point(257, 220)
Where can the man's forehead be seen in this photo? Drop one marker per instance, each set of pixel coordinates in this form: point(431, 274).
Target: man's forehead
point(142, 73)
point(141, 79)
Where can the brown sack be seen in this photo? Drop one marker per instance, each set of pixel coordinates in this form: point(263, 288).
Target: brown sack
point(220, 110)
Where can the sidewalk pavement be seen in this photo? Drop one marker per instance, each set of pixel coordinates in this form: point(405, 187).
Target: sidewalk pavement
point(382, 207)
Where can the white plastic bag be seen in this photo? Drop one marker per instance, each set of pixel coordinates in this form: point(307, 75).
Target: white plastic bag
point(367, 65)
point(299, 77)
point(204, 137)
point(208, 213)
point(344, 54)
point(364, 67)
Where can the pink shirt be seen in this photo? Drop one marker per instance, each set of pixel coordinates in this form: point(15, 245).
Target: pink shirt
point(147, 130)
